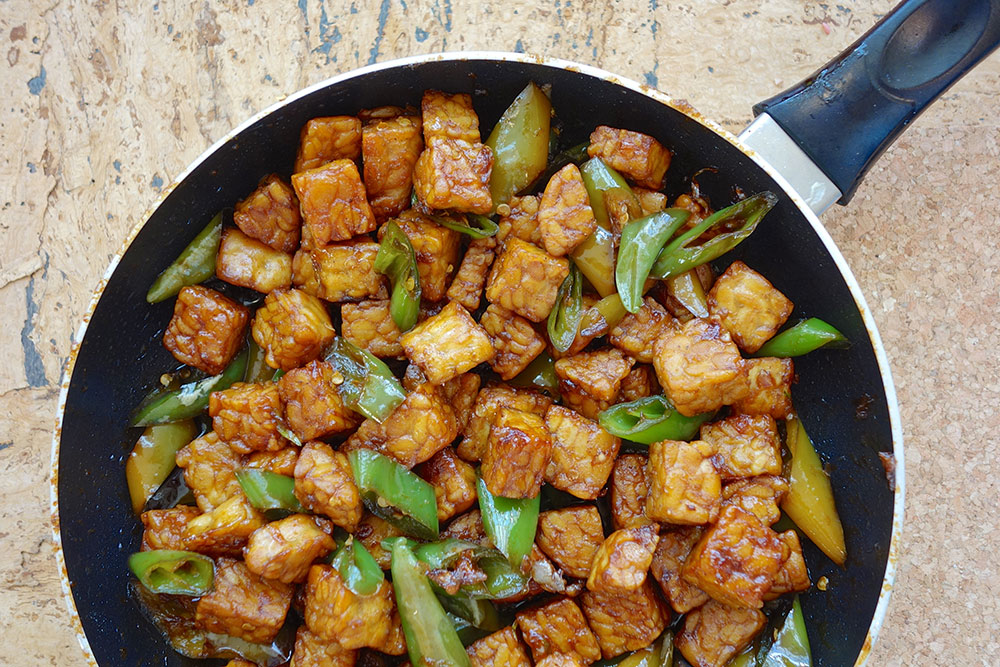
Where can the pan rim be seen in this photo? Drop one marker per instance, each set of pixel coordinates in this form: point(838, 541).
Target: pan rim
point(839, 260)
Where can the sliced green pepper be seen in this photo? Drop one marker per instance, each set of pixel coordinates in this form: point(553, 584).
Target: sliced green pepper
point(509, 522)
point(599, 178)
point(195, 264)
point(539, 373)
point(803, 338)
point(396, 259)
point(477, 227)
point(191, 399)
point(174, 572)
point(476, 610)
point(431, 638)
point(595, 258)
point(368, 386)
point(153, 458)
point(502, 580)
point(258, 372)
point(687, 288)
point(564, 318)
point(650, 419)
point(679, 256)
point(395, 494)
point(520, 144)
point(467, 632)
point(268, 490)
point(357, 568)
point(287, 433)
point(640, 244)
point(791, 644)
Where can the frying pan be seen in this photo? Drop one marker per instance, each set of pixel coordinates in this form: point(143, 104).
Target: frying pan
point(823, 135)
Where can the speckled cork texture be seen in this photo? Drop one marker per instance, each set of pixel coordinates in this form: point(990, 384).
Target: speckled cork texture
point(106, 102)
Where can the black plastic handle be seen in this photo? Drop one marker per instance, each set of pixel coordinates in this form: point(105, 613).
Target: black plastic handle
point(846, 114)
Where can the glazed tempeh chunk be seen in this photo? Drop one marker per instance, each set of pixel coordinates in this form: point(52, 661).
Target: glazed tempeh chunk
point(514, 338)
point(246, 417)
point(770, 387)
point(700, 368)
point(598, 373)
point(390, 148)
point(637, 156)
point(165, 529)
point(558, 627)
point(324, 483)
point(560, 660)
point(461, 393)
point(333, 202)
point(629, 488)
point(281, 462)
point(448, 344)
point(454, 482)
point(715, 633)
point(564, 215)
point(650, 201)
point(293, 328)
point(334, 612)
point(622, 561)
point(311, 650)
point(370, 532)
point(209, 470)
point(500, 648)
point(313, 407)
point(744, 446)
point(748, 306)
point(270, 214)
point(526, 279)
point(437, 251)
point(751, 553)
point(625, 621)
point(242, 604)
point(520, 219)
point(517, 454)
point(684, 487)
point(760, 496)
point(285, 549)
point(636, 334)
point(369, 325)
point(792, 577)
point(639, 383)
point(583, 453)
point(247, 262)
point(489, 400)
point(447, 116)
point(326, 139)
point(671, 552)
point(452, 174)
point(570, 537)
point(339, 272)
point(206, 330)
point(467, 286)
point(224, 530)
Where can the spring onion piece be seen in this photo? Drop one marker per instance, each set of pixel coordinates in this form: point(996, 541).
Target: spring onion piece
point(194, 265)
point(687, 288)
point(368, 386)
point(357, 568)
point(397, 260)
point(476, 227)
point(803, 338)
point(395, 494)
point(679, 256)
point(153, 458)
point(509, 522)
point(520, 144)
point(640, 244)
point(564, 319)
point(173, 572)
point(268, 490)
point(191, 399)
point(650, 419)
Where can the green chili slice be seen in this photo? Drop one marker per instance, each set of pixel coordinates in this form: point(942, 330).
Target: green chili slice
point(477, 227)
point(395, 494)
point(641, 242)
point(467, 632)
point(509, 522)
point(564, 318)
point(195, 264)
point(368, 386)
point(268, 490)
point(173, 572)
point(791, 643)
point(520, 144)
point(650, 419)
point(539, 373)
point(599, 178)
point(191, 399)
point(153, 458)
point(396, 259)
point(803, 338)
point(357, 568)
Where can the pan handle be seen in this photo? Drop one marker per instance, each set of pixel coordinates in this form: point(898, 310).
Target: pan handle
point(847, 113)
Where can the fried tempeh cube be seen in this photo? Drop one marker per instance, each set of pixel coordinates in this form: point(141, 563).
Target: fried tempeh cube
point(650, 201)
point(449, 116)
point(671, 552)
point(311, 650)
point(570, 537)
point(209, 470)
point(326, 139)
point(770, 387)
point(390, 148)
point(336, 613)
point(520, 219)
point(293, 328)
point(517, 454)
point(452, 174)
point(369, 325)
point(285, 549)
point(736, 560)
point(243, 604)
point(564, 215)
point(270, 214)
point(437, 250)
point(247, 416)
point(636, 334)
point(313, 407)
point(599, 373)
point(333, 202)
point(281, 462)
point(339, 272)
point(500, 648)
point(247, 262)
point(715, 633)
point(684, 487)
point(454, 482)
point(700, 368)
point(514, 338)
point(629, 488)
point(625, 621)
point(370, 532)
point(206, 330)
point(467, 286)
point(622, 561)
point(488, 401)
point(324, 483)
point(224, 530)
point(468, 527)
point(583, 453)
point(637, 156)
point(760, 496)
point(558, 627)
point(745, 446)
point(560, 660)
point(448, 344)
point(461, 393)
point(417, 429)
point(165, 529)
point(792, 577)
point(526, 279)
point(639, 383)
point(748, 306)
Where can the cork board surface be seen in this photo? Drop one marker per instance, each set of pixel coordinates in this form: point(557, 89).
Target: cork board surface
point(105, 102)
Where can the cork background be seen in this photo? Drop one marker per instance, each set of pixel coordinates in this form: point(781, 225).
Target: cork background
point(105, 101)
